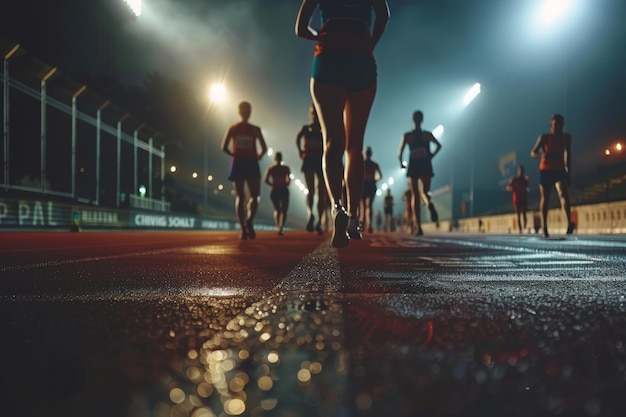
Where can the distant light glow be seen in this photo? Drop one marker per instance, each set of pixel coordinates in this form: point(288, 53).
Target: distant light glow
point(217, 93)
point(618, 146)
point(384, 186)
point(194, 175)
point(270, 151)
point(135, 6)
point(210, 178)
point(142, 190)
point(471, 94)
point(438, 131)
point(553, 9)
point(390, 181)
point(607, 152)
point(173, 168)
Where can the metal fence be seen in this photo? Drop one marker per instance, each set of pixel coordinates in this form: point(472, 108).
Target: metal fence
point(61, 139)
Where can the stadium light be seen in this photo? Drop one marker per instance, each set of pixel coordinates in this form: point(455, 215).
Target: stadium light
point(217, 93)
point(471, 94)
point(135, 6)
point(553, 9)
point(438, 131)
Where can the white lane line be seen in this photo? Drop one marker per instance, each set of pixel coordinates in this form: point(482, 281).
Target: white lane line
point(318, 271)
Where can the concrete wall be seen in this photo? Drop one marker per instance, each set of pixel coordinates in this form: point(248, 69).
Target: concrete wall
point(602, 218)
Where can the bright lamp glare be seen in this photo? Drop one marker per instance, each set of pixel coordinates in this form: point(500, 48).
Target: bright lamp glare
point(552, 9)
point(471, 94)
point(217, 93)
point(438, 131)
point(618, 146)
point(135, 6)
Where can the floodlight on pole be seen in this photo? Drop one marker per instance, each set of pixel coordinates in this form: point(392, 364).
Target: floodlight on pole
point(135, 6)
point(438, 131)
point(471, 94)
point(552, 9)
point(217, 93)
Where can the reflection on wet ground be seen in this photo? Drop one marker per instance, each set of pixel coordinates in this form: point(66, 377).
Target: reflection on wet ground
point(314, 347)
point(323, 355)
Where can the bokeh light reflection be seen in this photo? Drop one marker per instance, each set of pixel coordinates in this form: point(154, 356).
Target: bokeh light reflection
point(246, 356)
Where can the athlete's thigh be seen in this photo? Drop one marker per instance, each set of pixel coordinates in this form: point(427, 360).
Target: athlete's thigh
point(254, 186)
point(309, 179)
point(240, 187)
point(329, 102)
point(357, 113)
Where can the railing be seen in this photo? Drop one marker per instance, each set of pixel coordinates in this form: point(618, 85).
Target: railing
point(146, 203)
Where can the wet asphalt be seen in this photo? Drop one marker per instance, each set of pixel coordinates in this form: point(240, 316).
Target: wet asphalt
point(201, 324)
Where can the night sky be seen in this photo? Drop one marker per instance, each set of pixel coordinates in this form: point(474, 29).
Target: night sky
point(431, 54)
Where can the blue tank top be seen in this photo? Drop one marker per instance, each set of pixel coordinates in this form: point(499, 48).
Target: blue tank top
point(346, 9)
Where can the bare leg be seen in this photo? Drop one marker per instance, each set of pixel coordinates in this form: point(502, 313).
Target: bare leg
point(240, 208)
point(544, 198)
point(322, 203)
point(415, 204)
point(254, 185)
point(329, 103)
point(284, 207)
point(357, 113)
point(309, 180)
point(563, 193)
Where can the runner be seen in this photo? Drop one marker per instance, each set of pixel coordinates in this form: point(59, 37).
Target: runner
point(343, 86)
point(371, 174)
point(388, 210)
point(240, 142)
point(311, 149)
point(555, 150)
point(420, 169)
point(519, 187)
point(277, 176)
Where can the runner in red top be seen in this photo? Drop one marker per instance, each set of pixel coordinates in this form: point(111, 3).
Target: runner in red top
point(278, 176)
point(240, 142)
point(519, 187)
point(555, 150)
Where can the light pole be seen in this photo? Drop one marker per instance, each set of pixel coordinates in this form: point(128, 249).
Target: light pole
point(472, 93)
point(217, 94)
point(611, 152)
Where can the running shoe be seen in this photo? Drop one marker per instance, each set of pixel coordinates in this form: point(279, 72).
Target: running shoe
point(250, 228)
point(243, 235)
point(354, 229)
point(570, 228)
point(319, 229)
point(420, 232)
point(309, 225)
point(434, 216)
point(340, 224)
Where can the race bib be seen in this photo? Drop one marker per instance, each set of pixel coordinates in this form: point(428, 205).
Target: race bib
point(244, 142)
